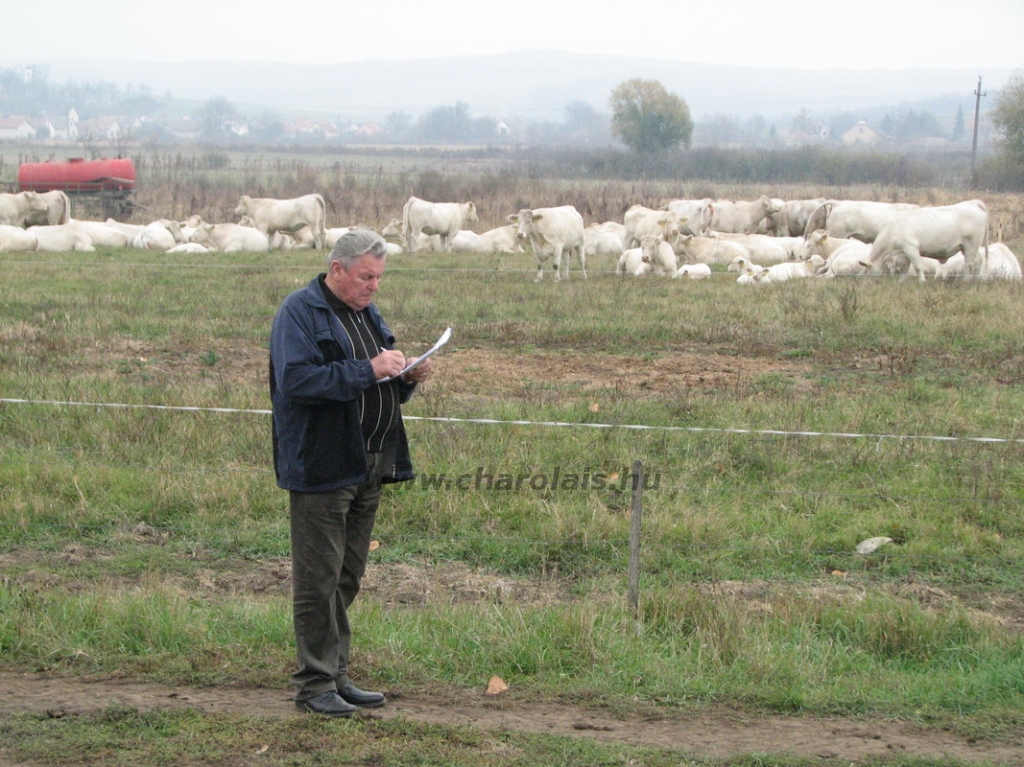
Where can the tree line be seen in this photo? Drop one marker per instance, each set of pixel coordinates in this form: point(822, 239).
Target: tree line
point(643, 117)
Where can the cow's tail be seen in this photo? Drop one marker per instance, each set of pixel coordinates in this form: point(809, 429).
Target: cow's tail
point(406, 224)
point(322, 224)
point(988, 223)
point(65, 216)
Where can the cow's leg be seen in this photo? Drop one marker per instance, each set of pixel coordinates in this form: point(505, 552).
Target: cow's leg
point(558, 262)
point(583, 260)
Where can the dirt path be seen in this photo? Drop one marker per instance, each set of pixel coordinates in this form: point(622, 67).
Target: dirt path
point(719, 734)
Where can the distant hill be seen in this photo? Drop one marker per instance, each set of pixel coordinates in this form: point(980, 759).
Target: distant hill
point(534, 85)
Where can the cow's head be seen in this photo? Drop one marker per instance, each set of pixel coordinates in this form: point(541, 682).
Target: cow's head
point(525, 220)
point(36, 202)
point(243, 205)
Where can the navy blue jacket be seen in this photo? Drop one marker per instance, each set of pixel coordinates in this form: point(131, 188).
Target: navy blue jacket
point(315, 386)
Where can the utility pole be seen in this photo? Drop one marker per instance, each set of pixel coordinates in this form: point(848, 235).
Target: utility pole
point(974, 144)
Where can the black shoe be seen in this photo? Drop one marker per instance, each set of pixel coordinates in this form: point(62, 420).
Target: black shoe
point(362, 698)
point(326, 704)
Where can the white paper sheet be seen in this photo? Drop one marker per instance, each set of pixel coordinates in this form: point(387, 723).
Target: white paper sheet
point(440, 342)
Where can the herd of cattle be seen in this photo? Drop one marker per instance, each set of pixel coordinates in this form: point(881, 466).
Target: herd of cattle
point(765, 240)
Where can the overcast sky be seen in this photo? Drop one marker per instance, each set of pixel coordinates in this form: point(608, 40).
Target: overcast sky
point(845, 34)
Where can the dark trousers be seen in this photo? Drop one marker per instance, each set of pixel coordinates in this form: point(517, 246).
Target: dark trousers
point(330, 535)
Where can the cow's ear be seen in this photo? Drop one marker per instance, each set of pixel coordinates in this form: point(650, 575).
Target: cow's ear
point(538, 216)
point(513, 218)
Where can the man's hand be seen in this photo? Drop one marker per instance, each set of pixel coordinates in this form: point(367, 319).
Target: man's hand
point(420, 374)
point(389, 362)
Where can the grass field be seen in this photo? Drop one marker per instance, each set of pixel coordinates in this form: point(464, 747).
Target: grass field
point(784, 425)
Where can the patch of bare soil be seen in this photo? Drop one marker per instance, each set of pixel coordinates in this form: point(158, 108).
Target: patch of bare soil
point(481, 370)
point(714, 734)
point(475, 372)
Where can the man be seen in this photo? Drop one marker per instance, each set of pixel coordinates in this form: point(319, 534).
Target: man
point(338, 435)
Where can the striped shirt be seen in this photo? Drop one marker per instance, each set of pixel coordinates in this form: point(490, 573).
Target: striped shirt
point(379, 405)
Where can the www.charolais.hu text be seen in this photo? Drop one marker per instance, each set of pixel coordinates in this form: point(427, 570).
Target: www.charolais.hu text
point(482, 480)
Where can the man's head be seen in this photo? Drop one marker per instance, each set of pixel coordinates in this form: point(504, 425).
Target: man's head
point(355, 266)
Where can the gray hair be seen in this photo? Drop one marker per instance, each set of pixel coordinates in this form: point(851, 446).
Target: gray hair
point(356, 243)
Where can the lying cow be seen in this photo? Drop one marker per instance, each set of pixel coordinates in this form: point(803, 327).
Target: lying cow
point(14, 238)
point(230, 238)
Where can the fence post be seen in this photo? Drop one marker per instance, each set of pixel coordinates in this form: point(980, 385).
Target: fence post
point(635, 517)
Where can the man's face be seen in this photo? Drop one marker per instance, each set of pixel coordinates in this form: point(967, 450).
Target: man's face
point(356, 285)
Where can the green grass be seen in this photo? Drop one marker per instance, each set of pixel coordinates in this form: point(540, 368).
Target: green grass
point(116, 521)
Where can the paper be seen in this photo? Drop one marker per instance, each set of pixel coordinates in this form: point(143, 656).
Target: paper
point(440, 342)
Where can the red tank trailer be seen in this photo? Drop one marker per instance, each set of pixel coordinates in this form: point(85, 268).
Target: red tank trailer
point(111, 180)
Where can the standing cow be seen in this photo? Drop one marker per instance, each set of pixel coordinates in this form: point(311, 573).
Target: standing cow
point(58, 210)
point(552, 231)
point(270, 215)
point(15, 208)
point(441, 219)
point(932, 232)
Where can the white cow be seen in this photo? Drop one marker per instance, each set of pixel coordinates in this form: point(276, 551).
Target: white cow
point(613, 228)
point(846, 261)
point(501, 239)
point(230, 238)
point(443, 219)
point(270, 215)
point(776, 223)
point(741, 217)
point(856, 219)
point(58, 210)
point(639, 221)
point(707, 250)
point(552, 232)
point(301, 238)
point(693, 271)
point(797, 213)
point(131, 230)
point(16, 207)
point(632, 262)
point(15, 239)
point(466, 241)
point(190, 247)
point(162, 234)
point(103, 235)
point(1001, 264)
point(820, 242)
point(659, 254)
point(936, 232)
point(597, 242)
point(763, 248)
point(695, 213)
point(332, 235)
point(790, 270)
point(61, 238)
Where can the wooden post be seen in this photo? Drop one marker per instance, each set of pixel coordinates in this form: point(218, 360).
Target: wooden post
point(974, 142)
point(635, 517)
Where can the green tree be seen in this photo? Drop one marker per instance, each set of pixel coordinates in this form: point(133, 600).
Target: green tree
point(214, 115)
point(446, 123)
point(647, 118)
point(1008, 118)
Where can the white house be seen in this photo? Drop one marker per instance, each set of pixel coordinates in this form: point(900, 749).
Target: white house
point(861, 134)
point(14, 128)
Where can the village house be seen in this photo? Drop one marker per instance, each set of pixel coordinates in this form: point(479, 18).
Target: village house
point(15, 128)
point(861, 134)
